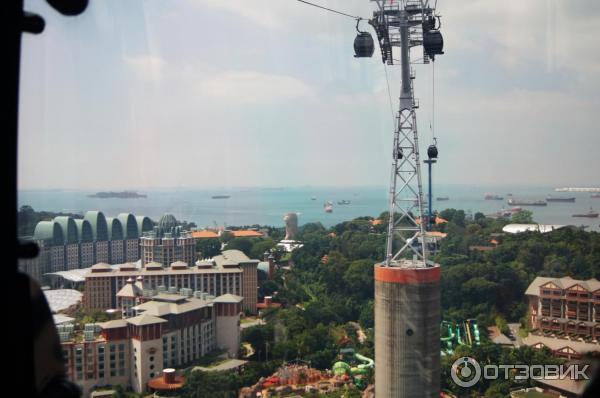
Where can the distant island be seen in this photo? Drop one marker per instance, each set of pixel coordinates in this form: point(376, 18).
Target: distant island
point(120, 195)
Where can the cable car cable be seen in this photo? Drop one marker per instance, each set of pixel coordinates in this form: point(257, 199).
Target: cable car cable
point(389, 96)
point(329, 9)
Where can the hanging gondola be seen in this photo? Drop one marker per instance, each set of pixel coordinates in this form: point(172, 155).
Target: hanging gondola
point(363, 44)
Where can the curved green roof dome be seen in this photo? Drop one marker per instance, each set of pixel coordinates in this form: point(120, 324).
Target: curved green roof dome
point(50, 232)
point(98, 223)
point(84, 231)
point(130, 228)
point(115, 229)
point(144, 224)
point(69, 228)
point(167, 222)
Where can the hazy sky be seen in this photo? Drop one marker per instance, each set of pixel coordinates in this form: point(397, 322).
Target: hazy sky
point(195, 93)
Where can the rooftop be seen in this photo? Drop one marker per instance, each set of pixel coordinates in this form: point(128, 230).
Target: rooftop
point(554, 344)
point(145, 319)
point(205, 234)
point(230, 258)
point(165, 304)
point(228, 299)
point(61, 299)
point(542, 228)
point(246, 234)
point(562, 283)
point(116, 323)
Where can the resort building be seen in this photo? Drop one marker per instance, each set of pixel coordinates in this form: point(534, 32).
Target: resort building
point(167, 243)
point(565, 306)
point(565, 315)
point(231, 272)
point(66, 243)
point(168, 330)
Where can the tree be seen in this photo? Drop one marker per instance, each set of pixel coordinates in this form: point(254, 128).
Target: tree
point(260, 246)
point(211, 384)
point(208, 247)
point(522, 217)
point(241, 244)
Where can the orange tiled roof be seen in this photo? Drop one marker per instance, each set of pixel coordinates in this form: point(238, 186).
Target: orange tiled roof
point(204, 234)
point(376, 221)
point(246, 234)
point(436, 234)
point(438, 220)
point(159, 383)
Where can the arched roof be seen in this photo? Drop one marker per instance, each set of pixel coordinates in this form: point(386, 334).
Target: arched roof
point(98, 223)
point(50, 232)
point(84, 231)
point(69, 228)
point(130, 228)
point(167, 222)
point(144, 224)
point(115, 229)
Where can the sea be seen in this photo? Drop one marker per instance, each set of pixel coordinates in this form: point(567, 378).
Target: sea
point(267, 206)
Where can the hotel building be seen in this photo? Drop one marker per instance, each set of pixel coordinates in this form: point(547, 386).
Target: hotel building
point(231, 272)
point(565, 306)
point(168, 330)
point(66, 243)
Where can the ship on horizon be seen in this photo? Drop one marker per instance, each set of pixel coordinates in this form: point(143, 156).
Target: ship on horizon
point(565, 200)
point(578, 189)
point(589, 214)
point(490, 196)
point(119, 195)
point(517, 202)
point(221, 196)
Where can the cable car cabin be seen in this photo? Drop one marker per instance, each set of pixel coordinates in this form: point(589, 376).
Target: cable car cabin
point(363, 45)
point(432, 152)
point(433, 43)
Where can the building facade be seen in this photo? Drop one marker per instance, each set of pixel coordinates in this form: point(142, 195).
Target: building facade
point(168, 330)
point(565, 306)
point(232, 272)
point(168, 243)
point(66, 243)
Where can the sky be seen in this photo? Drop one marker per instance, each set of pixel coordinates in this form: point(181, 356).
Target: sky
point(210, 93)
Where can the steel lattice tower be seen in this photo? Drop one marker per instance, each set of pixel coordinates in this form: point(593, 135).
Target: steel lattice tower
point(407, 288)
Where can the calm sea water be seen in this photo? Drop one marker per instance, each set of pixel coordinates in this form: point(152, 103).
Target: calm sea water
point(266, 206)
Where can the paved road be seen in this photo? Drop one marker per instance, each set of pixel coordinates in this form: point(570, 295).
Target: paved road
point(246, 325)
point(514, 328)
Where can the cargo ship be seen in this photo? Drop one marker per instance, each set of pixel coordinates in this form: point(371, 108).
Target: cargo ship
point(221, 196)
point(489, 196)
point(442, 198)
point(343, 202)
point(589, 214)
point(516, 202)
point(565, 200)
point(578, 189)
point(119, 195)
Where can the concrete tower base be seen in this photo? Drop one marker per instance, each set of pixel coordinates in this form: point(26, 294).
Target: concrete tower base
point(407, 330)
